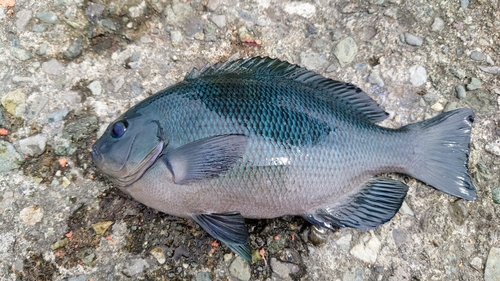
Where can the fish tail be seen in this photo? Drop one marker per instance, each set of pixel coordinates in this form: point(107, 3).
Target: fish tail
point(443, 152)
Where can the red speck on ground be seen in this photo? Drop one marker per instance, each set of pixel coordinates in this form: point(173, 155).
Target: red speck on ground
point(4, 132)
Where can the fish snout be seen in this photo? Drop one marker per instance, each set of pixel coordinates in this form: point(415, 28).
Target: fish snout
point(96, 155)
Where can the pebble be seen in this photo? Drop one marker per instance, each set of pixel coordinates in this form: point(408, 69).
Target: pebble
point(210, 32)
point(81, 277)
point(451, 106)
point(493, 148)
point(331, 68)
point(495, 194)
point(33, 146)
point(64, 146)
point(43, 49)
point(9, 158)
point(193, 26)
point(219, 20)
point(15, 102)
point(461, 93)
point(437, 25)
point(203, 276)
point(212, 5)
point(175, 37)
point(345, 51)
point(31, 215)
point(312, 61)
point(344, 242)
point(59, 244)
point(418, 75)
point(406, 210)
point(94, 11)
point(136, 88)
point(47, 17)
point(280, 269)
point(39, 28)
point(240, 269)
point(101, 227)
point(318, 235)
point(375, 78)
point(23, 17)
point(490, 69)
point(437, 107)
point(464, 4)
point(52, 67)
point(95, 88)
point(413, 40)
point(137, 11)
point(400, 236)
point(306, 10)
point(109, 24)
point(81, 128)
point(459, 73)
point(135, 267)
point(57, 115)
point(477, 263)
point(74, 50)
point(368, 251)
point(159, 255)
point(21, 54)
point(477, 56)
point(492, 269)
point(474, 84)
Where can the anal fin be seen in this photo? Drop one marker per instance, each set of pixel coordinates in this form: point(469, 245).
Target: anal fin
point(376, 204)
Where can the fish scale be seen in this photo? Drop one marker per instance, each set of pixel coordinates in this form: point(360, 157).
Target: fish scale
point(262, 138)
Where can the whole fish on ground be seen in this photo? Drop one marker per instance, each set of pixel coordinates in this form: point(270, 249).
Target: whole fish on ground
point(262, 138)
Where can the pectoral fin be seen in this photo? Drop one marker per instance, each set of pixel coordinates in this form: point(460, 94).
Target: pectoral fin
point(375, 205)
point(230, 229)
point(205, 158)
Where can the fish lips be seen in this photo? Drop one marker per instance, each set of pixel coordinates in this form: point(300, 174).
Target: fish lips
point(124, 176)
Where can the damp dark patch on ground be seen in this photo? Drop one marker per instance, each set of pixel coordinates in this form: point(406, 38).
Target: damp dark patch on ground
point(36, 268)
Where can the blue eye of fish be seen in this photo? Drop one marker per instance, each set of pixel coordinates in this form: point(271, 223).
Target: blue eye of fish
point(119, 129)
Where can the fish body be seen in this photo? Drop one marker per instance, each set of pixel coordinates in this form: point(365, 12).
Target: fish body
point(261, 138)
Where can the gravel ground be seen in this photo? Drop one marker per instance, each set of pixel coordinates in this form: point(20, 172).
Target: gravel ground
point(69, 67)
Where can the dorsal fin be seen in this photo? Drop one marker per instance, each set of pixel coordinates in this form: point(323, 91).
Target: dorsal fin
point(327, 89)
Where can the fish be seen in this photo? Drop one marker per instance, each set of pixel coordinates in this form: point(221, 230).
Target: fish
point(263, 138)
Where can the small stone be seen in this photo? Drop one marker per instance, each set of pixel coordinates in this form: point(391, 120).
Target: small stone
point(368, 251)
point(212, 5)
point(461, 94)
point(496, 195)
point(437, 107)
point(413, 40)
point(57, 116)
point(345, 51)
point(490, 69)
point(406, 210)
point(94, 11)
point(477, 56)
point(400, 236)
point(23, 17)
point(344, 242)
point(459, 73)
point(101, 227)
point(418, 75)
point(477, 263)
point(9, 158)
point(137, 11)
point(354, 274)
point(81, 277)
point(64, 146)
point(15, 102)
point(375, 78)
point(43, 49)
point(219, 20)
point(175, 37)
point(451, 106)
point(31, 215)
point(464, 4)
point(118, 82)
point(47, 17)
point(33, 146)
point(204, 276)
point(74, 50)
point(193, 26)
point(109, 24)
point(280, 269)
point(303, 9)
point(158, 254)
point(52, 67)
point(39, 28)
point(88, 259)
point(240, 269)
point(95, 88)
point(331, 68)
point(318, 235)
point(492, 269)
point(437, 25)
point(136, 88)
point(59, 244)
point(21, 54)
point(493, 148)
point(136, 266)
point(474, 84)
point(312, 61)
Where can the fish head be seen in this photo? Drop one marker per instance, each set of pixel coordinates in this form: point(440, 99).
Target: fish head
point(128, 147)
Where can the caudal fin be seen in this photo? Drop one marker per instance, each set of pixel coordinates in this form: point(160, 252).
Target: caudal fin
point(444, 148)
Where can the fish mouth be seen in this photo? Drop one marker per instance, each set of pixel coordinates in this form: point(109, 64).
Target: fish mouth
point(140, 169)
